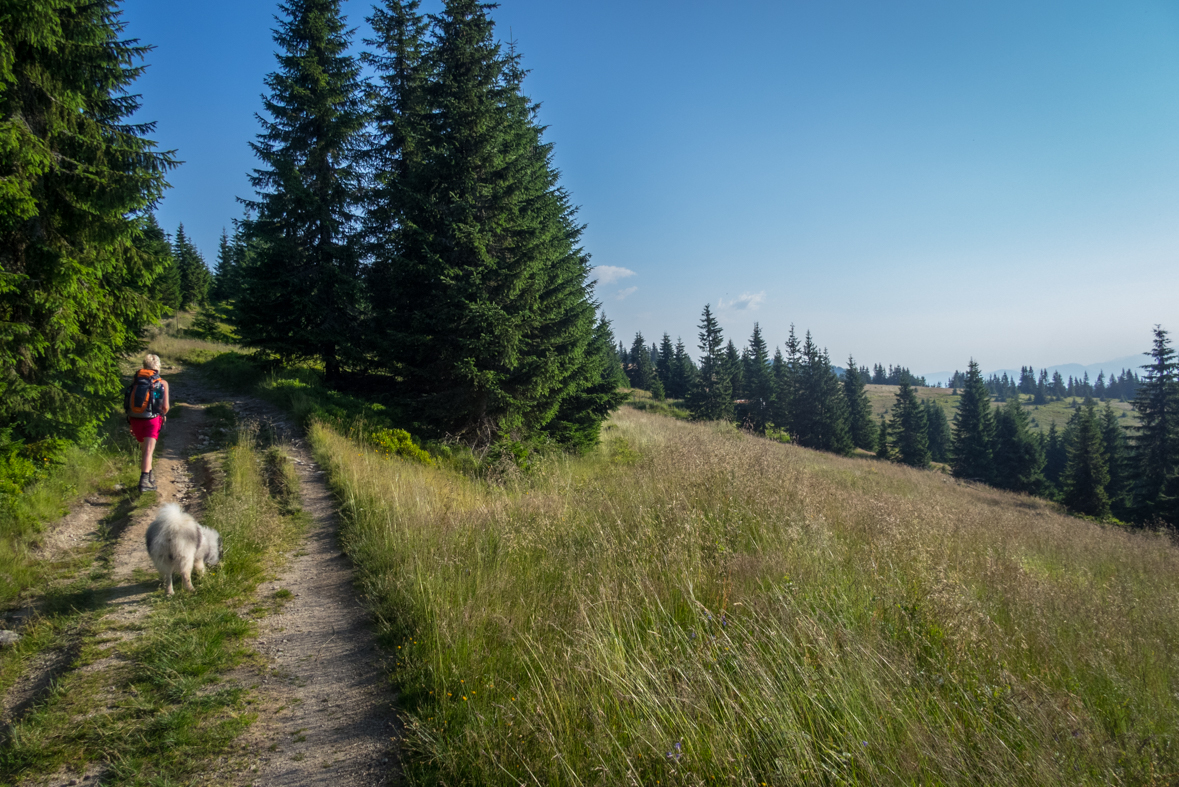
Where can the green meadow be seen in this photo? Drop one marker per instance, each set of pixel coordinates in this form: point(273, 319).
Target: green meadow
point(691, 605)
point(1042, 416)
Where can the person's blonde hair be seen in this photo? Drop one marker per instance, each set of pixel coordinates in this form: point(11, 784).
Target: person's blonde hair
point(151, 361)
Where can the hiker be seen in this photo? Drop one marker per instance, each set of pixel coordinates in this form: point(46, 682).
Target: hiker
point(146, 403)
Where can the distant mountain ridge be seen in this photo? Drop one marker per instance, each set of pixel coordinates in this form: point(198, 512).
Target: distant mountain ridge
point(1132, 362)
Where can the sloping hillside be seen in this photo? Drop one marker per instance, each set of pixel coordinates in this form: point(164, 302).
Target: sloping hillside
point(690, 605)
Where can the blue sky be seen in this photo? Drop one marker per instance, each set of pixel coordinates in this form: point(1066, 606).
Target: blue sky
point(917, 183)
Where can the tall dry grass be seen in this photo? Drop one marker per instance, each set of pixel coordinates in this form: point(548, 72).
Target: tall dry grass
point(691, 605)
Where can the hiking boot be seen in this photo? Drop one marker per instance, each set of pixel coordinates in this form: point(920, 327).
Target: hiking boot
point(146, 482)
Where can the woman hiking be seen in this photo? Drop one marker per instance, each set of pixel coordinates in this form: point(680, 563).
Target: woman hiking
point(147, 403)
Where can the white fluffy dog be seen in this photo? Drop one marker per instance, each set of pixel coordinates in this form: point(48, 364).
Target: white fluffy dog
point(178, 544)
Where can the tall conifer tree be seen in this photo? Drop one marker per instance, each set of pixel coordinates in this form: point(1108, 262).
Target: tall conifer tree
point(787, 375)
point(1055, 459)
point(1156, 439)
point(76, 175)
point(974, 429)
point(711, 395)
point(195, 279)
point(859, 409)
point(1086, 475)
point(908, 432)
point(302, 297)
point(820, 411)
point(641, 372)
point(883, 438)
point(399, 115)
point(735, 369)
point(938, 427)
point(1113, 440)
point(664, 363)
point(594, 395)
point(484, 296)
point(227, 276)
point(154, 244)
point(683, 372)
point(759, 381)
point(778, 415)
point(1018, 457)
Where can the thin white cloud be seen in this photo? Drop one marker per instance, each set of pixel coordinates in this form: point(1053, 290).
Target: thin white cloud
point(608, 274)
point(744, 302)
point(624, 294)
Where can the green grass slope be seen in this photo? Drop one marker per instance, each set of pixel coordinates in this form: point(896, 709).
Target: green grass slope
point(1042, 416)
point(691, 605)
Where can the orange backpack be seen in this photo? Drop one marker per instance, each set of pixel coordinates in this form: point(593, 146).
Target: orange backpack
point(143, 395)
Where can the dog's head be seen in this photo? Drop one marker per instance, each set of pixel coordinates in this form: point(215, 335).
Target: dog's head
point(215, 551)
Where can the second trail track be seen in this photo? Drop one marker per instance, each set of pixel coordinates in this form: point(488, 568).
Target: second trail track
point(325, 711)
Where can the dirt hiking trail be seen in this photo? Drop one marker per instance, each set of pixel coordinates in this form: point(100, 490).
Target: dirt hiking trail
point(325, 711)
point(326, 716)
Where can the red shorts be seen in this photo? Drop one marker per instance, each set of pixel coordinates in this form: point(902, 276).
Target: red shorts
point(146, 428)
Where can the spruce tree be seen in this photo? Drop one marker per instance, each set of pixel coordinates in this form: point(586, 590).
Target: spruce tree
point(787, 372)
point(711, 395)
point(641, 372)
point(820, 410)
point(1156, 438)
point(77, 282)
point(883, 446)
point(227, 276)
point(777, 415)
point(486, 298)
point(1018, 457)
point(1086, 475)
point(859, 409)
point(1113, 440)
point(578, 421)
point(973, 429)
point(664, 364)
point(735, 369)
point(397, 98)
point(1055, 459)
point(1041, 395)
point(938, 427)
point(683, 372)
point(908, 432)
point(153, 243)
point(301, 296)
point(195, 279)
point(759, 382)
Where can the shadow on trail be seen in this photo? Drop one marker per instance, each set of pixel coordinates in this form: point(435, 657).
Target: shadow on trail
point(71, 611)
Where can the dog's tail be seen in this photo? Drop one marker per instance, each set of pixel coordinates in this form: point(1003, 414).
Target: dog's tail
point(170, 511)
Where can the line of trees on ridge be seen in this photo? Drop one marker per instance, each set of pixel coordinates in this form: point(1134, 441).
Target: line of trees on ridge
point(1123, 386)
point(1093, 466)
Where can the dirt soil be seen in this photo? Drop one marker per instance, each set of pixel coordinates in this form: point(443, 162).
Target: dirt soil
point(327, 714)
point(325, 709)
